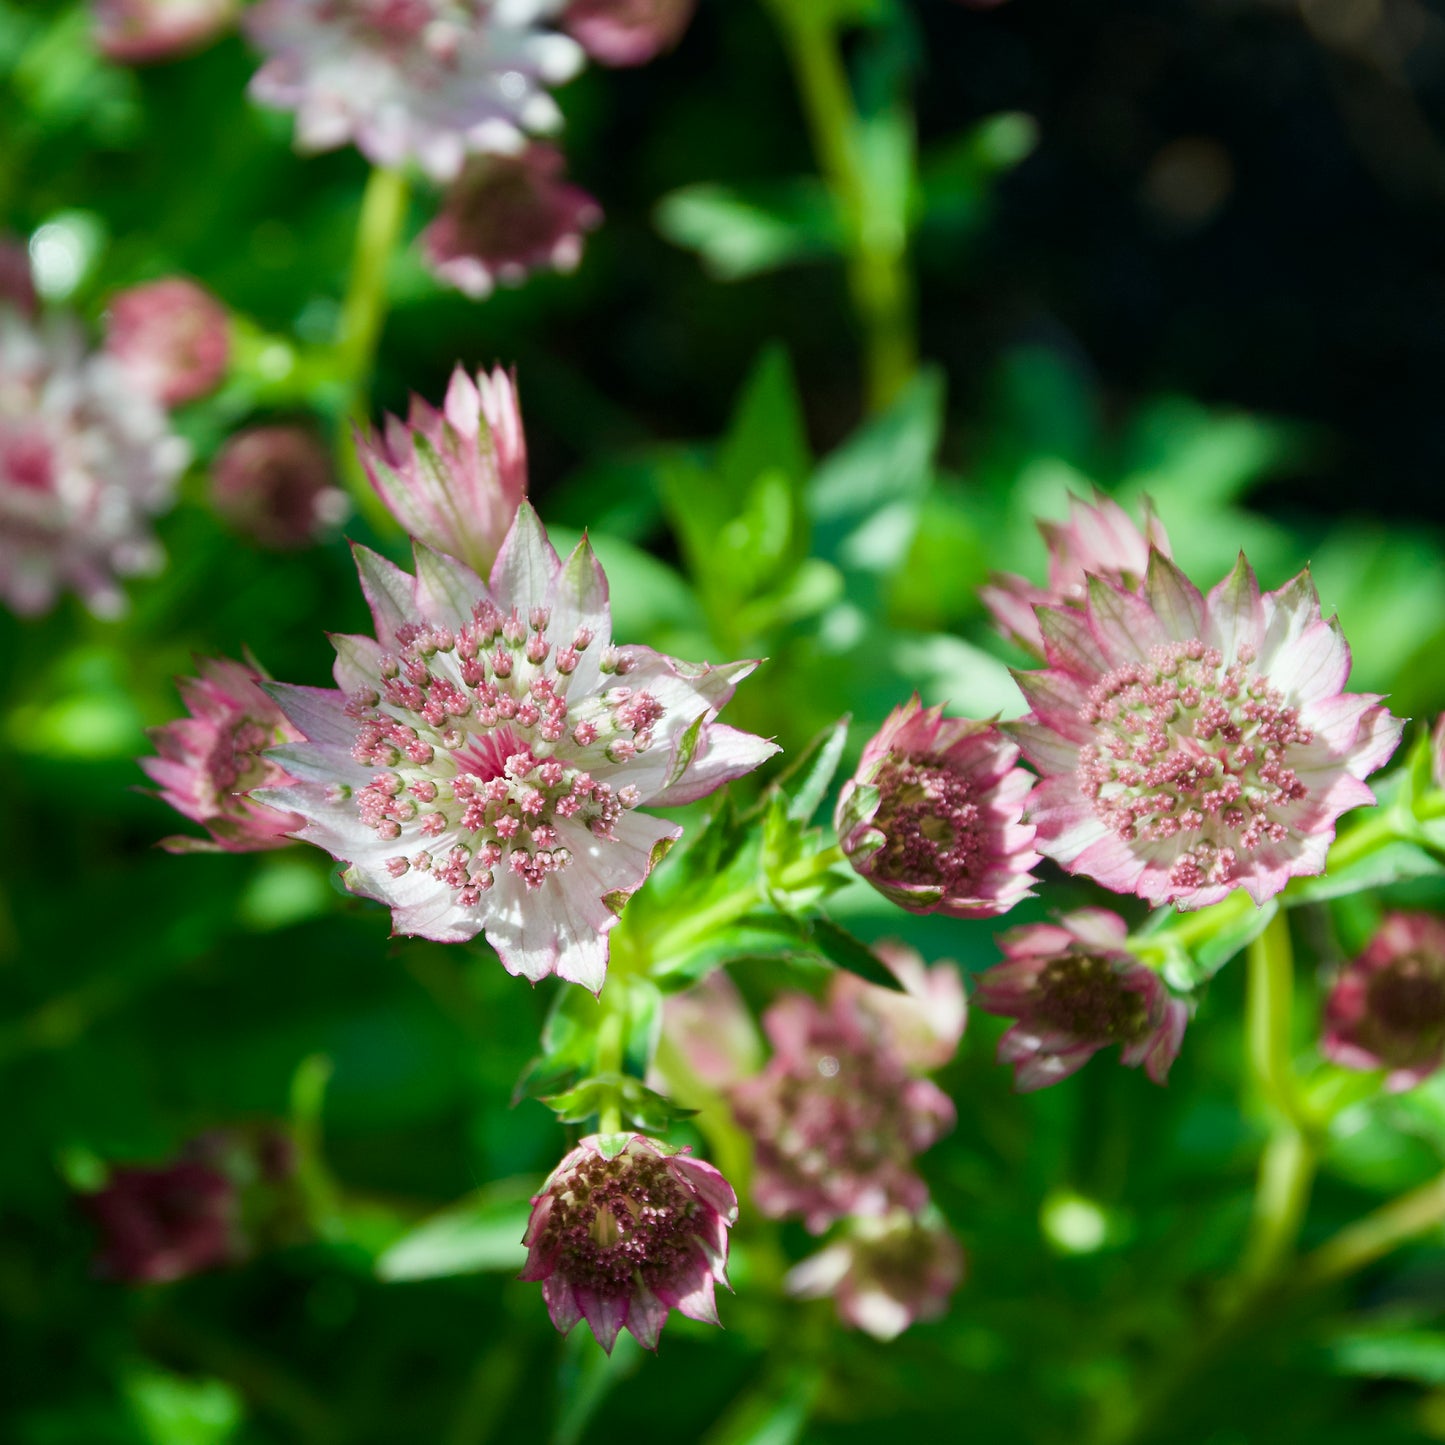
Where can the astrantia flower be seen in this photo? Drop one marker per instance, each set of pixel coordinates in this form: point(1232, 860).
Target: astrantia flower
point(924, 1021)
point(277, 485)
point(625, 1229)
point(884, 1274)
point(1190, 746)
point(1075, 989)
point(933, 818)
point(454, 478)
point(172, 337)
point(506, 216)
point(1387, 1009)
point(837, 1115)
point(427, 80)
point(85, 461)
point(482, 765)
point(1100, 539)
point(136, 32)
point(211, 760)
point(627, 32)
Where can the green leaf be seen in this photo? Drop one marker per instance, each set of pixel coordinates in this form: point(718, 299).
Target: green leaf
point(173, 1410)
point(806, 780)
point(1185, 970)
point(1386, 1353)
point(1394, 863)
point(841, 949)
point(641, 1107)
point(767, 432)
point(481, 1233)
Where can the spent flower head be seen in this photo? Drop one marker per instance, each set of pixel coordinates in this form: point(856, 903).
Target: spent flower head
point(482, 764)
point(626, 1229)
point(454, 478)
point(884, 1273)
point(85, 461)
point(627, 32)
point(1075, 989)
point(507, 216)
point(1099, 538)
point(933, 818)
point(1193, 745)
point(138, 32)
point(432, 81)
point(1387, 1009)
point(172, 337)
point(209, 762)
point(837, 1115)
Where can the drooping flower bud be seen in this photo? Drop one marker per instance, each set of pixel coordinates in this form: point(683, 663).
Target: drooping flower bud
point(454, 478)
point(627, 32)
point(1387, 1009)
point(210, 761)
point(1099, 538)
point(137, 32)
point(626, 1229)
point(837, 1115)
point(933, 818)
point(884, 1274)
point(1075, 989)
point(172, 337)
point(277, 485)
point(507, 216)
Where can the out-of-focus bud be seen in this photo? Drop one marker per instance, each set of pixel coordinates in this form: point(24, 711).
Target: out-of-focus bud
point(507, 216)
point(17, 283)
point(712, 1033)
point(627, 32)
point(1387, 1009)
point(137, 32)
point(172, 337)
point(626, 1229)
point(1075, 989)
point(277, 485)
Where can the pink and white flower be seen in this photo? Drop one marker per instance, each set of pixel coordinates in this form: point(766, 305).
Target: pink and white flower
point(172, 337)
point(481, 766)
point(933, 818)
point(138, 32)
point(85, 461)
point(507, 216)
point(627, 32)
point(1075, 988)
point(884, 1274)
point(210, 761)
point(1192, 745)
point(277, 485)
point(922, 1021)
point(1099, 539)
point(1387, 1009)
point(626, 1229)
point(430, 81)
point(454, 478)
point(837, 1114)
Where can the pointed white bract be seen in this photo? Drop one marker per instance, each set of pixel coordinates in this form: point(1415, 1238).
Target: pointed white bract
point(481, 767)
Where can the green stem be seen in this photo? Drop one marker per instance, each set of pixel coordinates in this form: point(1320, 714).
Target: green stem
point(608, 1064)
point(383, 210)
point(877, 265)
point(1360, 1244)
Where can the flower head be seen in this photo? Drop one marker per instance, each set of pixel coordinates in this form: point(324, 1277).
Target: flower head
point(454, 478)
point(506, 216)
point(482, 765)
point(172, 337)
point(625, 1229)
point(885, 1273)
point(711, 1029)
point(837, 1115)
point(1192, 745)
point(210, 761)
point(136, 32)
point(1099, 539)
point(627, 32)
point(427, 80)
point(85, 461)
point(277, 484)
point(933, 818)
point(922, 1021)
point(1387, 1009)
point(1075, 989)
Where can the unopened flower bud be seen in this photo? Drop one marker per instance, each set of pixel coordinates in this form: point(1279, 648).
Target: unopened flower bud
point(172, 338)
point(277, 484)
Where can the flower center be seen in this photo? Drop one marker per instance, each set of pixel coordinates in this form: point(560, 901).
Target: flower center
point(1408, 997)
point(484, 756)
point(614, 1219)
point(27, 460)
point(1082, 994)
point(1192, 750)
point(928, 818)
